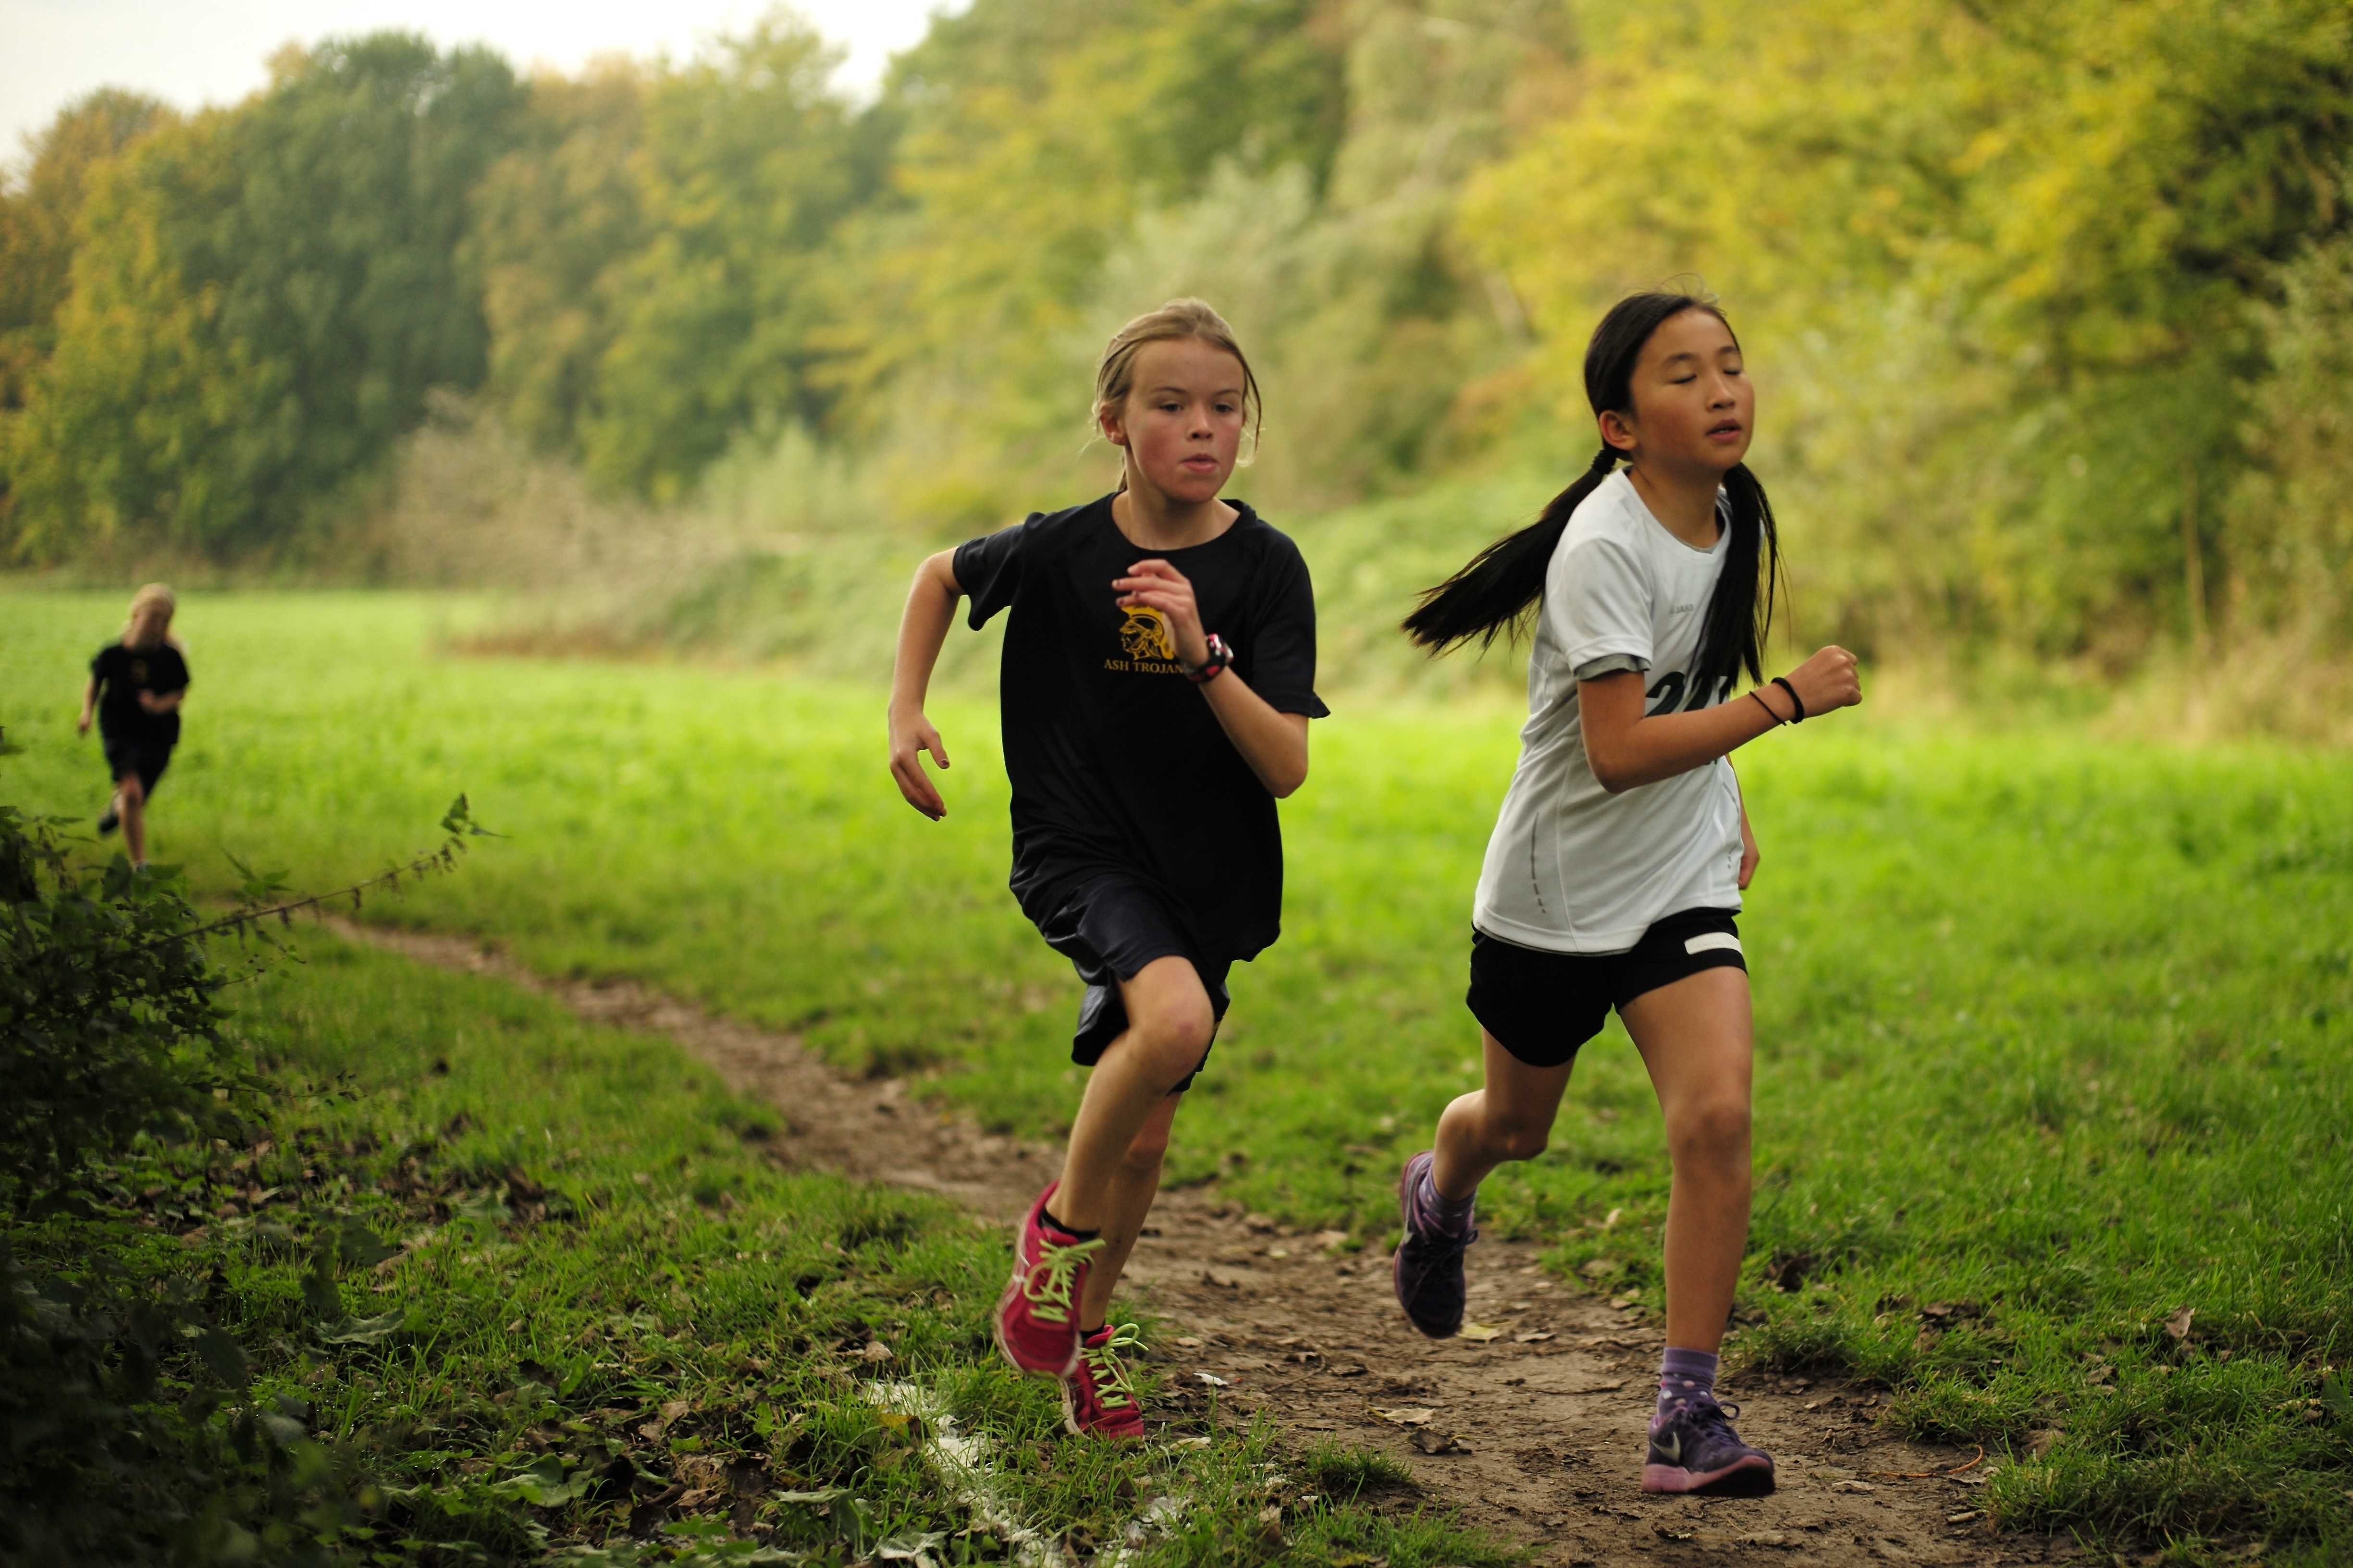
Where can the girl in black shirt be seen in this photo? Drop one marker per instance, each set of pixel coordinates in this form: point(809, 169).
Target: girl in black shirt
point(136, 685)
point(1159, 675)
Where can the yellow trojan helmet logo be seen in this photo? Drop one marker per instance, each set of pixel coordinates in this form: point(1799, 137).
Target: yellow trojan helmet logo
point(1144, 634)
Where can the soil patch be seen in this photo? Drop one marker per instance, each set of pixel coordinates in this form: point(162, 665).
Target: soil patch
point(1534, 1435)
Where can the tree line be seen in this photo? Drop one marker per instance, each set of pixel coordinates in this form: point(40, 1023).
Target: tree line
point(2052, 304)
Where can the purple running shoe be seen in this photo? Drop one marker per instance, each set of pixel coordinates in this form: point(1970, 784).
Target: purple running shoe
point(1696, 1450)
point(1428, 1267)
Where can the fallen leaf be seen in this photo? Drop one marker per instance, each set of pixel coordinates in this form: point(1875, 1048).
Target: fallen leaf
point(1278, 1252)
point(1328, 1239)
point(1529, 1339)
point(2178, 1325)
point(1430, 1442)
point(1597, 1268)
point(1219, 1279)
point(1853, 1487)
point(875, 1350)
point(1669, 1533)
point(1481, 1332)
point(1406, 1416)
point(1967, 1516)
point(1189, 1341)
point(2039, 1440)
point(1611, 1223)
point(1622, 1302)
point(1213, 1380)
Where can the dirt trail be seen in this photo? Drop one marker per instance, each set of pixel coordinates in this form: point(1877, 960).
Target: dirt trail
point(1537, 1432)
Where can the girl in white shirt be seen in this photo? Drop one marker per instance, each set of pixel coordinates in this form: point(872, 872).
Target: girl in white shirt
point(1617, 863)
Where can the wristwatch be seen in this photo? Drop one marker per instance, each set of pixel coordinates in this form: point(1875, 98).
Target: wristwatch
point(1220, 656)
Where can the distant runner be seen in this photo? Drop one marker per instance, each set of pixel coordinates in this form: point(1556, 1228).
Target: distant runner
point(1617, 862)
point(1159, 672)
point(136, 686)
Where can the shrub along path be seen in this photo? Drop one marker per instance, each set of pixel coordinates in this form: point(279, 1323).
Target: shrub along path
point(1532, 1433)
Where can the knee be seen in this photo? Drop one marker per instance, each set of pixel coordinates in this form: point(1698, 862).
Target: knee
point(133, 791)
point(1518, 1140)
point(1173, 1037)
point(1713, 1129)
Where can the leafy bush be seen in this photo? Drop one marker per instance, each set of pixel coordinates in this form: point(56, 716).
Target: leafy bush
point(130, 1429)
point(108, 1023)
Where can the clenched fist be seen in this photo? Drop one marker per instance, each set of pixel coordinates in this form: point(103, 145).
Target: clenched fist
point(1827, 681)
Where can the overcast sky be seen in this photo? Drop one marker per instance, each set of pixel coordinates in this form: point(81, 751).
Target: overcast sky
point(212, 51)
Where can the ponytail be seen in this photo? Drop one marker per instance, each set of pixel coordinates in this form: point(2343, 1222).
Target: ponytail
point(1740, 615)
point(1503, 582)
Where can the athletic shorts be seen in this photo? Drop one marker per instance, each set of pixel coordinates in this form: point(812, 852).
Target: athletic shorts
point(1542, 1007)
point(1109, 930)
point(148, 759)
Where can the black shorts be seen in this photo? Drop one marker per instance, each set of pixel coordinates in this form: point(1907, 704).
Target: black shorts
point(1541, 1006)
point(130, 756)
point(1109, 930)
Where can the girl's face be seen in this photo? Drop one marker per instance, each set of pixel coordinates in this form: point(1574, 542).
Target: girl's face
point(1182, 422)
point(149, 627)
point(1693, 405)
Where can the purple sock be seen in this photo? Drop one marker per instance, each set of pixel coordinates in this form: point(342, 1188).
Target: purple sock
point(1682, 1375)
point(1452, 1213)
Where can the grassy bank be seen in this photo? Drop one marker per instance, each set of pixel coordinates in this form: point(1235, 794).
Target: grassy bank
point(575, 1304)
point(2054, 1036)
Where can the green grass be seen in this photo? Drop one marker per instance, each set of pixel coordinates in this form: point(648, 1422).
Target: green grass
point(576, 1283)
point(2054, 1036)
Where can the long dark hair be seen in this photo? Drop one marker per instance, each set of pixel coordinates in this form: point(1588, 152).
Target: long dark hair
point(1503, 583)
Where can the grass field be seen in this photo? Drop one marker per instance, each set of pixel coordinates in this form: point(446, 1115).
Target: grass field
point(2054, 1036)
point(578, 1301)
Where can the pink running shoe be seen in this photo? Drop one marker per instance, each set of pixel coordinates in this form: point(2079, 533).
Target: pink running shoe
point(1097, 1401)
point(1038, 1316)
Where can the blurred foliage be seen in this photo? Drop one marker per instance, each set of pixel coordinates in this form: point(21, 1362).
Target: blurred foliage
point(2007, 266)
point(2048, 301)
point(260, 299)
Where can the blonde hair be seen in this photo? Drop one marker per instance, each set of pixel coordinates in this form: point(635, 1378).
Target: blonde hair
point(145, 602)
point(1188, 318)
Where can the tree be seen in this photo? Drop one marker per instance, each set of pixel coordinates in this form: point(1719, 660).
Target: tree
point(1998, 260)
point(259, 301)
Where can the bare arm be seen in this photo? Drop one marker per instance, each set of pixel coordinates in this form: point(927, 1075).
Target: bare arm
point(1627, 748)
point(930, 610)
point(89, 706)
point(162, 702)
point(1274, 743)
point(1748, 852)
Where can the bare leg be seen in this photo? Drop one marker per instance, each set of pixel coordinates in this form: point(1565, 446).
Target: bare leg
point(1133, 1185)
point(1697, 1039)
point(1509, 1118)
point(1169, 1022)
point(131, 798)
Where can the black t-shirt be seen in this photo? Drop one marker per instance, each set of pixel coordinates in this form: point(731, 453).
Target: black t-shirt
point(122, 673)
point(1117, 763)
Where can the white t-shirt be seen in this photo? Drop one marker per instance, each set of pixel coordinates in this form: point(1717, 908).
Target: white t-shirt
point(1572, 868)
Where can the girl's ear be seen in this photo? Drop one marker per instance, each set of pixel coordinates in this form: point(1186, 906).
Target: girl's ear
point(1108, 418)
point(1617, 431)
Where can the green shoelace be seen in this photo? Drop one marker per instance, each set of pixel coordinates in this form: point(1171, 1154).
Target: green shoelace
point(1112, 1387)
point(1049, 1283)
